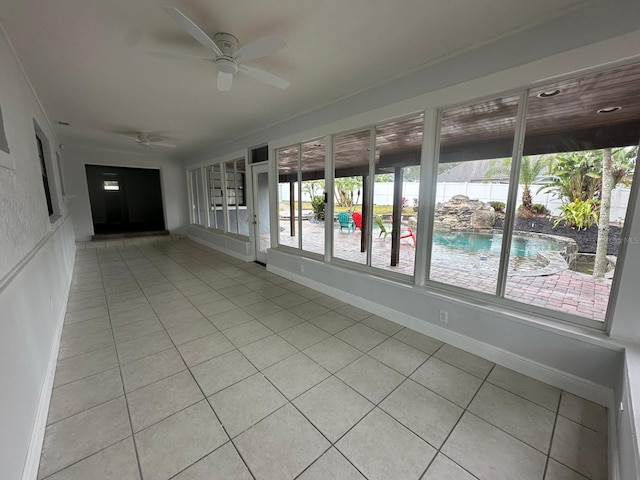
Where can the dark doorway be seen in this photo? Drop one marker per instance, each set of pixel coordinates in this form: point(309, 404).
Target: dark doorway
point(125, 200)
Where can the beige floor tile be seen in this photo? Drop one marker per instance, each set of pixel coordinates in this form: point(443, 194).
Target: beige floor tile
point(178, 441)
point(281, 320)
point(418, 340)
point(134, 330)
point(150, 369)
point(533, 390)
point(362, 337)
point(295, 375)
point(332, 322)
point(246, 403)
point(273, 453)
point(557, 471)
point(83, 394)
point(83, 434)
point(117, 462)
point(217, 307)
point(333, 354)
point(423, 412)
point(288, 300)
point(333, 407)
point(181, 317)
point(246, 333)
point(262, 309)
point(354, 313)
point(399, 356)
point(382, 325)
point(132, 316)
point(223, 464)
point(81, 366)
point(79, 329)
point(584, 412)
point(303, 335)
point(466, 361)
point(205, 348)
point(85, 344)
point(143, 346)
point(580, 448)
point(443, 468)
point(448, 381)
point(331, 465)
point(308, 310)
point(222, 371)
point(370, 378)
point(490, 453)
point(381, 448)
point(247, 299)
point(231, 318)
point(267, 351)
point(154, 402)
point(191, 331)
point(329, 302)
point(521, 418)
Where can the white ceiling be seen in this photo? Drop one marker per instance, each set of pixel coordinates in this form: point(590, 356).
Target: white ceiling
point(90, 63)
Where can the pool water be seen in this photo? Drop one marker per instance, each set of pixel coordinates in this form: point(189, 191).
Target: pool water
point(481, 251)
point(492, 243)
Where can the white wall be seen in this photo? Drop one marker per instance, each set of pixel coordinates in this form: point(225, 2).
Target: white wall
point(36, 260)
point(174, 188)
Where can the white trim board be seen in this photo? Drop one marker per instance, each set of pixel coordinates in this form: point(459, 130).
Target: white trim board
point(226, 251)
point(32, 461)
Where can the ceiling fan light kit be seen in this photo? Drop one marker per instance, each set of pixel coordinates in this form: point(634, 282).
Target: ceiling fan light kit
point(229, 59)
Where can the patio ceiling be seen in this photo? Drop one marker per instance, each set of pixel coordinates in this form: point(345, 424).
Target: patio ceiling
point(566, 121)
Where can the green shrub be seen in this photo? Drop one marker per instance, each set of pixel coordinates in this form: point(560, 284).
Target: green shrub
point(539, 209)
point(317, 203)
point(498, 206)
point(578, 214)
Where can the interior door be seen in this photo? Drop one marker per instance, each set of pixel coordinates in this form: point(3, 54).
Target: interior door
point(261, 222)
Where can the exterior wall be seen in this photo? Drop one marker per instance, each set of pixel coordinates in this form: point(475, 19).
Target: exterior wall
point(36, 261)
point(174, 189)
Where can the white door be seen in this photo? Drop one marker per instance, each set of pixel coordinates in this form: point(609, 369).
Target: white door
point(261, 224)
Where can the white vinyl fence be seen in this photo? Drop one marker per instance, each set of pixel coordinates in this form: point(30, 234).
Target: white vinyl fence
point(486, 192)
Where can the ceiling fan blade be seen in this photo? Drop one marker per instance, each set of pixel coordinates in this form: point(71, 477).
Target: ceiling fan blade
point(178, 56)
point(225, 80)
point(266, 77)
point(192, 29)
point(260, 48)
point(131, 136)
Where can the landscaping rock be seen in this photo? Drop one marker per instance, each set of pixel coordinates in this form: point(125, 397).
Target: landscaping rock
point(460, 213)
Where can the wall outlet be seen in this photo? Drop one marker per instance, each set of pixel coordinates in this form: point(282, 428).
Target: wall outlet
point(444, 316)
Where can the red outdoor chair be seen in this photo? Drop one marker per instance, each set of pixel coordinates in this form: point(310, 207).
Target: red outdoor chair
point(357, 220)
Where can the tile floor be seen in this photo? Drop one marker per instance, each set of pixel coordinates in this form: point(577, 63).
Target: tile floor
point(179, 362)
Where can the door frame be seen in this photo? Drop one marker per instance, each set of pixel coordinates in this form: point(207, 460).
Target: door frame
point(256, 170)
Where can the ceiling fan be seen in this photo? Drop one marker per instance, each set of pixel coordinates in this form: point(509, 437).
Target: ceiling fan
point(147, 139)
point(228, 57)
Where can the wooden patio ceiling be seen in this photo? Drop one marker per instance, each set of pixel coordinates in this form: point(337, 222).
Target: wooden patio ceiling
point(556, 122)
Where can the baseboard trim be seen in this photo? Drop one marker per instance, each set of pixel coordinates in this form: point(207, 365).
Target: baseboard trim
point(32, 461)
point(231, 253)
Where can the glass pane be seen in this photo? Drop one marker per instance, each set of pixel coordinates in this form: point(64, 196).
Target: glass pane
point(232, 200)
point(312, 168)
point(197, 197)
point(585, 149)
point(395, 194)
point(110, 185)
point(243, 216)
point(214, 179)
point(351, 163)
point(476, 143)
point(287, 159)
point(262, 211)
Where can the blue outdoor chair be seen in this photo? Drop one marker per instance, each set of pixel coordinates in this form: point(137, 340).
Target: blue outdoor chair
point(345, 221)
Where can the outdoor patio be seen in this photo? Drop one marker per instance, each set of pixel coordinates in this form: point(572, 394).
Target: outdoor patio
point(567, 291)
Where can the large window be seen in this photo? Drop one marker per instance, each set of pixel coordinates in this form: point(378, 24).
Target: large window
point(235, 178)
point(467, 243)
point(377, 179)
point(301, 196)
point(559, 204)
point(216, 203)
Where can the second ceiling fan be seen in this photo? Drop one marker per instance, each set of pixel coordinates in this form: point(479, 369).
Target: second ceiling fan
point(228, 57)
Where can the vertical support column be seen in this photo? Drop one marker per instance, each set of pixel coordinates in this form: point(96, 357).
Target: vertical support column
point(366, 214)
point(397, 216)
point(292, 209)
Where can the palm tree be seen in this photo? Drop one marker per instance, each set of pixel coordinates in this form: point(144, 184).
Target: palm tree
point(530, 168)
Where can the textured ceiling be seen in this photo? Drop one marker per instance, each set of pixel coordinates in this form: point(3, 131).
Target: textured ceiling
point(91, 65)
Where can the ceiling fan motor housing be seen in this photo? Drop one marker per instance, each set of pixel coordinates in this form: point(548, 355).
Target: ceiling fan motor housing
point(227, 43)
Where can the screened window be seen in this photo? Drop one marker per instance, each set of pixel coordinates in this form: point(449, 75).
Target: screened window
point(197, 197)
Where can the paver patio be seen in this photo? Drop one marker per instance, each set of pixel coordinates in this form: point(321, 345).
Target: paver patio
point(567, 291)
